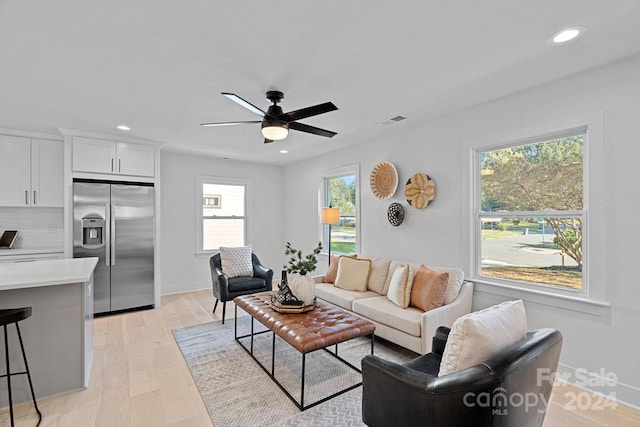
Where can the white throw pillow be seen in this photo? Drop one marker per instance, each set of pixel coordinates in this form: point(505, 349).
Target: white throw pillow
point(236, 261)
point(353, 273)
point(477, 337)
point(400, 287)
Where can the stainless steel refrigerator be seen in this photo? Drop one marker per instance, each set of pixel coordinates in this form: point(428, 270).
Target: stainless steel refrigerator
point(114, 222)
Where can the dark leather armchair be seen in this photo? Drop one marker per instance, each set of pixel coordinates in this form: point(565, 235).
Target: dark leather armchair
point(226, 289)
point(510, 390)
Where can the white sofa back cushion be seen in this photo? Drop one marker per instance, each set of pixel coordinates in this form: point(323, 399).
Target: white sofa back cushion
point(378, 274)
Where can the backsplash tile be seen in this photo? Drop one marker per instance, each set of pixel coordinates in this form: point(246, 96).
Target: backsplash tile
point(39, 228)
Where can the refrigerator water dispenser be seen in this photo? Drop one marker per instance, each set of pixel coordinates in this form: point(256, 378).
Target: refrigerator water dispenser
point(92, 231)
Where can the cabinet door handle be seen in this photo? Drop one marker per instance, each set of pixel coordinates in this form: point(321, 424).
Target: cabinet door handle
point(119, 165)
point(35, 198)
point(26, 197)
point(112, 164)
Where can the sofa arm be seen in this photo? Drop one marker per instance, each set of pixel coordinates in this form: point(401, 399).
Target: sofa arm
point(445, 315)
point(318, 279)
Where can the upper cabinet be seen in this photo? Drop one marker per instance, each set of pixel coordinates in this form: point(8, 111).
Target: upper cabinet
point(112, 157)
point(31, 172)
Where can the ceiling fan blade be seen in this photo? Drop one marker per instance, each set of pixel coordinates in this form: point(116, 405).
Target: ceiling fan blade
point(266, 141)
point(311, 129)
point(303, 113)
point(246, 104)
point(231, 123)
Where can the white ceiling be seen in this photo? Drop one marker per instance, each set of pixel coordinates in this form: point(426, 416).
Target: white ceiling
point(159, 66)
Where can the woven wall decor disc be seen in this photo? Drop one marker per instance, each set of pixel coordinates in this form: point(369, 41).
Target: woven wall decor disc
point(395, 214)
point(383, 180)
point(420, 190)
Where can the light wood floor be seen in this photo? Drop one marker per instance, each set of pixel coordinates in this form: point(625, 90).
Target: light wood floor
point(139, 377)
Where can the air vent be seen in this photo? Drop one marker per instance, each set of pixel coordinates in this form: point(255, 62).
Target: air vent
point(393, 120)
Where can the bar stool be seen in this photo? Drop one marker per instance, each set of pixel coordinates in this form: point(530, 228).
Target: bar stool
point(8, 316)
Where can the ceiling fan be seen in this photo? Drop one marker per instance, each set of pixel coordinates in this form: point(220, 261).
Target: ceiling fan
point(275, 123)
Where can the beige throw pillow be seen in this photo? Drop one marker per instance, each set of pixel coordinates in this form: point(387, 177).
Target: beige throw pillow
point(428, 289)
point(400, 288)
point(353, 273)
point(477, 337)
point(332, 271)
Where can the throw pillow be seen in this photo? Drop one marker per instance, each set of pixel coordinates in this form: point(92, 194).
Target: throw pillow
point(353, 273)
point(428, 289)
point(400, 288)
point(332, 271)
point(477, 337)
point(378, 276)
point(236, 261)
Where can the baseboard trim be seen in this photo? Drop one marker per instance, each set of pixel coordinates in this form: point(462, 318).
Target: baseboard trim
point(180, 288)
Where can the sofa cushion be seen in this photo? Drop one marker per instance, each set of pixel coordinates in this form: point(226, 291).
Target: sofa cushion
point(400, 288)
point(236, 261)
point(341, 297)
point(428, 289)
point(477, 337)
point(381, 310)
point(456, 277)
point(353, 273)
point(378, 274)
point(332, 271)
point(413, 267)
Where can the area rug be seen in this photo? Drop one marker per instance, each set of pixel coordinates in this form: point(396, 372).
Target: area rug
point(237, 392)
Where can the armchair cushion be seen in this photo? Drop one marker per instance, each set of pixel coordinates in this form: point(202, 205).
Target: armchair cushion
point(236, 261)
point(245, 283)
point(478, 336)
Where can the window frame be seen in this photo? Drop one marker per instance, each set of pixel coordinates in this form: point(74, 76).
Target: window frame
point(479, 214)
point(347, 170)
point(593, 297)
point(206, 179)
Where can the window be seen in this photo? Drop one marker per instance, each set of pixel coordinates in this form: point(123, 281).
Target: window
point(221, 210)
point(340, 190)
point(530, 216)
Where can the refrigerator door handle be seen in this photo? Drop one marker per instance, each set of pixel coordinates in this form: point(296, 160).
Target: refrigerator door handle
point(107, 236)
point(113, 234)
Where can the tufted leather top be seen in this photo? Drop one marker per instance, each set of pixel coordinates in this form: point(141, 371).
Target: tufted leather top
point(321, 327)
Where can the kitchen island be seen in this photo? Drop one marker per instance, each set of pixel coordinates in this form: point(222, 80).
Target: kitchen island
point(58, 337)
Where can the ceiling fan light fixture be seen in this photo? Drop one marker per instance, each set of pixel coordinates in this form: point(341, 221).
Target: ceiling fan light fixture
point(274, 130)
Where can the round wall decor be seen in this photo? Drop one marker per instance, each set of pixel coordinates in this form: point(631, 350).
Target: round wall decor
point(395, 214)
point(383, 180)
point(420, 190)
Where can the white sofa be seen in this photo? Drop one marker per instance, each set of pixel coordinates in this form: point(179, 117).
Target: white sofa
point(411, 328)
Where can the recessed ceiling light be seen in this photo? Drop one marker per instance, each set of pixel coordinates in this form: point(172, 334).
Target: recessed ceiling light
point(284, 151)
point(566, 35)
point(124, 127)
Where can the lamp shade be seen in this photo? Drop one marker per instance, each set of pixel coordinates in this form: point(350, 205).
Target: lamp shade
point(330, 215)
point(275, 133)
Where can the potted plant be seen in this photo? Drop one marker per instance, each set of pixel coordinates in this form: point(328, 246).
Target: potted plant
point(303, 286)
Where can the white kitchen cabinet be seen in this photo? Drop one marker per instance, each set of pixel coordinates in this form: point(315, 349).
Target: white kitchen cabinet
point(31, 172)
point(112, 157)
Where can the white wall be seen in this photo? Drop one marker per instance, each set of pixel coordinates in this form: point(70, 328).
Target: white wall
point(181, 270)
point(610, 341)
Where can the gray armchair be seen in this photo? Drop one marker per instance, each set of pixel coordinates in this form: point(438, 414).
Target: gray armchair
point(226, 289)
point(511, 389)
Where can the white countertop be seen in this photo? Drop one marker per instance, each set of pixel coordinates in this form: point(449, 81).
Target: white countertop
point(22, 251)
point(45, 273)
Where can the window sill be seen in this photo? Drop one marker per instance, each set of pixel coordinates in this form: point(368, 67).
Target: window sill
point(204, 254)
point(582, 305)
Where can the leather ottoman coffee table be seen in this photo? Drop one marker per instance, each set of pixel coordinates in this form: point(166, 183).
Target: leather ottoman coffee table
point(322, 327)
